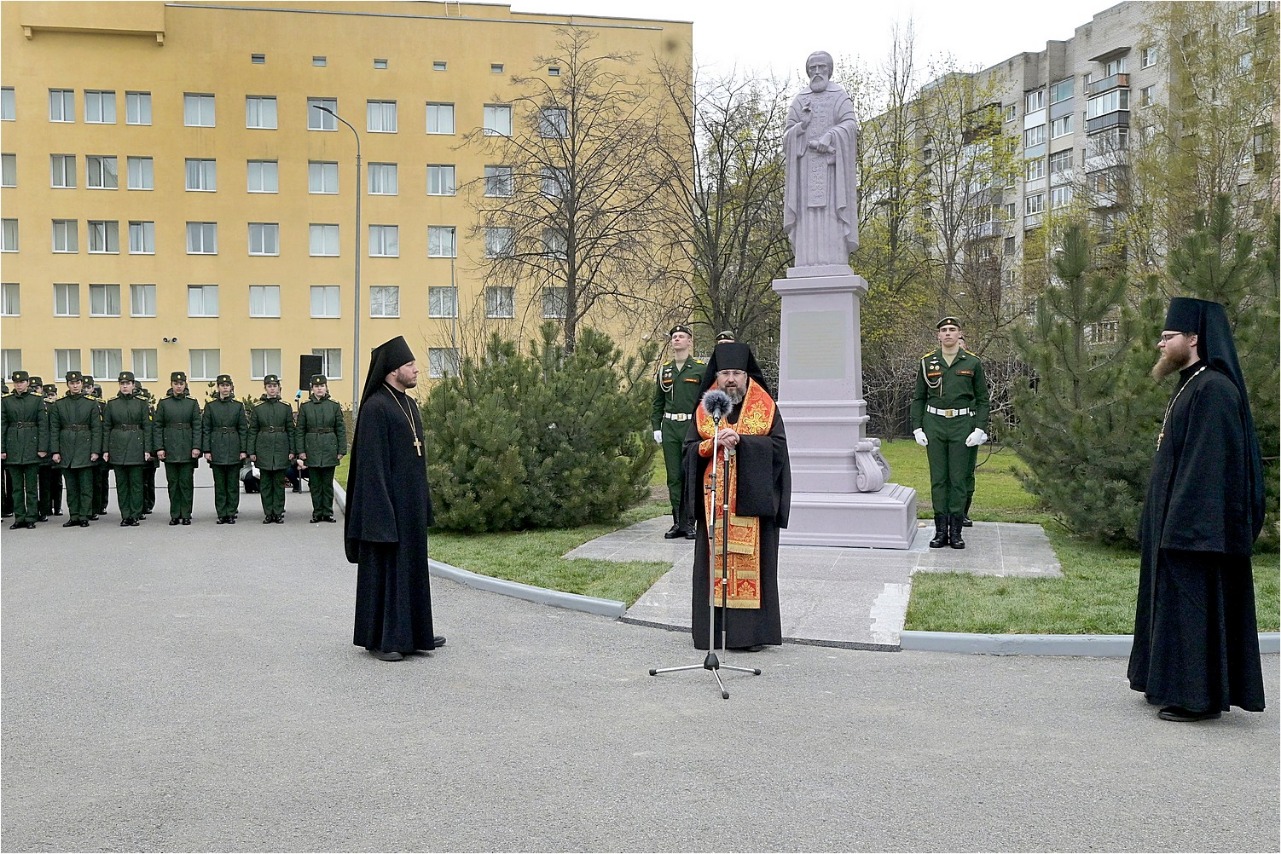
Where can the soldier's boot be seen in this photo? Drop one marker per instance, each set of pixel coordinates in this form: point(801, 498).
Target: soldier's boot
point(941, 532)
point(956, 541)
point(966, 521)
point(677, 530)
point(690, 530)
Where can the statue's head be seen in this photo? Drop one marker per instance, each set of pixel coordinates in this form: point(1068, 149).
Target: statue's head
point(818, 68)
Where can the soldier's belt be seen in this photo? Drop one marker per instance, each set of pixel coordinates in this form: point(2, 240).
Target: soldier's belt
point(76, 427)
point(320, 430)
point(949, 413)
point(677, 416)
point(26, 424)
point(227, 429)
point(127, 427)
point(178, 424)
point(271, 429)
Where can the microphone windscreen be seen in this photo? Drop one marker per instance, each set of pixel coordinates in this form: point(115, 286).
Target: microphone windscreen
point(717, 404)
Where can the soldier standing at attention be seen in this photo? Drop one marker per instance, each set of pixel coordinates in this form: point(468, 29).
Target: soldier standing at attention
point(126, 430)
point(271, 447)
point(175, 434)
point(225, 437)
point(675, 397)
point(101, 469)
point(152, 465)
point(322, 443)
point(22, 432)
point(50, 479)
point(75, 438)
point(949, 417)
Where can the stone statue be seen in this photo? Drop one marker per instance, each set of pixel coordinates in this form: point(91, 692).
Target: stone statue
point(820, 142)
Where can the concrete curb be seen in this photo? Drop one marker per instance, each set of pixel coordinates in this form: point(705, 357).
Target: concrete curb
point(1099, 646)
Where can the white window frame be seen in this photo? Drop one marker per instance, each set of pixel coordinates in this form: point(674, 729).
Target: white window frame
point(198, 110)
point(9, 234)
point(100, 107)
point(103, 236)
point(199, 367)
point(499, 241)
point(330, 361)
point(319, 120)
point(554, 243)
point(1034, 136)
point(102, 172)
point(261, 112)
point(500, 182)
point(64, 361)
point(321, 174)
point(1034, 204)
point(201, 175)
point(104, 301)
point(66, 299)
point(106, 361)
point(10, 299)
point(442, 362)
point(1061, 126)
point(69, 231)
point(380, 117)
point(442, 301)
point(326, 302)
point(202, 300)
point(383, 179)
point(498, 120)
point(384, 241)
point(140, 173)
point(442, 241)
point(62, 105)
point(554, 179)
point(440, 117)
point(8, 105)
point(262, 176)
point(264, 238)
point(1060, 196)
point(441, 179)
point(202, 238)
point(553, 123)
point(142, 237)
point(62, 171)
point(323, 240)
point(145, 362)
point(384, 301)
point(554, 302)
point(1149, 56)
point(8, 170)
point(142, 300)
point(1034, 169)
point(500, 302)
point(1033, 101)
point(264, 301)
point(1057, 93)
point(137, 108)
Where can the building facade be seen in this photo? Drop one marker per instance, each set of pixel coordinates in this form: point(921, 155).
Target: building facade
point(181, 181)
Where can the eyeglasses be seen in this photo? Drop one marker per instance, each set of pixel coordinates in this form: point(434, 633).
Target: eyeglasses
point(1166, 336)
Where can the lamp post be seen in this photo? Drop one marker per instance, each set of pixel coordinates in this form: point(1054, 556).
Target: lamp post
point(355, 337)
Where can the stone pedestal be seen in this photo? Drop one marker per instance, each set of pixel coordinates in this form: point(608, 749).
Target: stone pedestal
point(840, 490)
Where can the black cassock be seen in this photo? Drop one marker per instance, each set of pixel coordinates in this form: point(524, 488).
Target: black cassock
point(764, 491)
point(388, 513)
point(1196, 641)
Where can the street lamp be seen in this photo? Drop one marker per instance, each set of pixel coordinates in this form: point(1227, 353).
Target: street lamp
point(355, 337)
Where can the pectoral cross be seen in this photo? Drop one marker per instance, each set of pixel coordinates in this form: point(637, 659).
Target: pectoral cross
point(418, 446)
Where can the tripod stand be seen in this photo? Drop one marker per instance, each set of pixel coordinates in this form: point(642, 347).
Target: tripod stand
point(711, 662)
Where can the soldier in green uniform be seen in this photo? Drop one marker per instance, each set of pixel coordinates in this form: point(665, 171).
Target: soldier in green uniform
point(272, 445)
point(75, 440)
point(49, 486)
point(225, 439)
point(101, 469)
point(126, 434)
point(322, 443)
point(675, 398)
point(152, 465)
point(175, 434)
point(23, 427)
point(949, 417)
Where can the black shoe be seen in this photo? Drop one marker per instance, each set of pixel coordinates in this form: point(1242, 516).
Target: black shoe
point(222, 520)
point(329, 519)
point(941, 534)
point(438, 641)
point(84, 523)
point(387, 656)
point(93, 517)
point(173, 521)
point(674, 532)
point(231, 520)
point(267, 520)
point(315, 519)
point(954, 533)
point(1181, 715)
point(124, 523)
point(280, 519)
point(691, 533)
point(42, 518)
point(71, 523)
point(186, 521)
point(16, 525)
point(57, 512)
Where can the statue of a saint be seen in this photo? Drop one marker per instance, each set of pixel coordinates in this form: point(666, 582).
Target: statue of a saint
point(820, 142)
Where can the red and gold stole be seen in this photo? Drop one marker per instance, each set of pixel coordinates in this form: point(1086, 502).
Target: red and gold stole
point(744, 533)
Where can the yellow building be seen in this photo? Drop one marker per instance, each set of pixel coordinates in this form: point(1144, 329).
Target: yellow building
point(174, 200)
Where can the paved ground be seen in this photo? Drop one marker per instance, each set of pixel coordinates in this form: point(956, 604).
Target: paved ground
point(196, 689)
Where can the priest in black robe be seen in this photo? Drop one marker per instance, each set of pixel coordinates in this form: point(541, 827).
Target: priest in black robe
point(753, 449)
point(389, 511)
point(1196, 640)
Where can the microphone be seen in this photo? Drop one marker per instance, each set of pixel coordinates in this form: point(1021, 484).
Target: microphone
point(717, 404)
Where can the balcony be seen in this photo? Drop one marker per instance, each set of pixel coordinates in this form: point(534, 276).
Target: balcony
point(1116, 81)
point(1114, 119)
point(984, 230)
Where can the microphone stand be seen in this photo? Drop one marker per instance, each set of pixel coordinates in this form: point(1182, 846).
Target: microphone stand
point(711, 662)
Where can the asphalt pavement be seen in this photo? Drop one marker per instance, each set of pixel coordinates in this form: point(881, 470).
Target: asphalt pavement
point(195, 688)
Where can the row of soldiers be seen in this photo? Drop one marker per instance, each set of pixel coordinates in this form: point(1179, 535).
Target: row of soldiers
point(77, 433)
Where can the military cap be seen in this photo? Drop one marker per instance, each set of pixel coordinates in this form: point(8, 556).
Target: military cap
point(125, 377)
point(50, 387)
point(271, 379)
point(950, 320)
point(680, 327)
point(178, 377)
point(20, 376)
point(223, 379)
point(74, 377)
point(88, 379)
point(725, 336)
point(319, 379)
point(37, 381)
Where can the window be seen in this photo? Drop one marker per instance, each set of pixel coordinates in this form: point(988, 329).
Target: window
point(440, 118)
point(1114, 66)
point(330, 362)
point(1034, 204)
point(104, 236)
point(62, 105)
point(202, 300)
point(198, 110)
point(380, 64)
point(263, 176)
point(100, 107)
point(202, 238)
point(137, 108)
point(101, 172)
point(1035, 169)
point(62, 171)
point(1148, 57)
point(10, 361)
point(554, 182)
point(1111, 102)
point(1034, 136)
point(205, 365)
point(442, 362)
point(498, 181)
point(498, 120)
point(264, 301)
point(142, 238)
point(1061, 126)
point(500, 302)
point(554, 245)
point(442, 302)
point(323, 239)
point(1010, 112)
point(65, 360)
point(8, 170)
point(142, 300)
point(1035, 100)
point(1061, 164)
point(381, 116)
point(1245, 62)
point(554, 302)
point(8, 112)
point(384, 241)
point(553, 123)
point(441, 242)
point(104, 301)
point(65, 235)
point(10, 299)
point(320, 61)
point(105, 363)
point(1145, 95)
point(141, 173)
point(1062, 90)
point(382, 179)
point(324, 301)
point(264, 238)
point(202, 175)
point(66, 300)
point(384, 301)
point(438, 65)
point(553, 71)
point(1011, 246)
point(318, 119)
point(322, 177)
point(1061, 197)
point(263, 362)
point(260, 112)
point(440, 180)
point(258, 58)
point(498, 242)
point(495, 68)
point(145, 364)
point(1010, 211)
point(9, 229)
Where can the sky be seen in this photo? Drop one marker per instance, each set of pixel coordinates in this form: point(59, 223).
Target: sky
point(726, 36)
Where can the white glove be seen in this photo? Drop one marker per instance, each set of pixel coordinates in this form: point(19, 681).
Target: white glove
point(920, 437)
point(976, 438)
point(658, 436)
